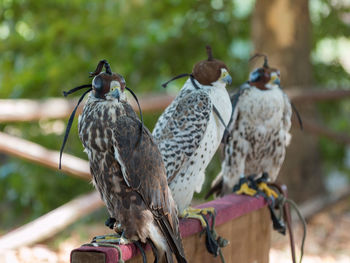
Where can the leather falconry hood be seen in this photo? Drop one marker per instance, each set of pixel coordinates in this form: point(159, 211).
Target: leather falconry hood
point(208, 71)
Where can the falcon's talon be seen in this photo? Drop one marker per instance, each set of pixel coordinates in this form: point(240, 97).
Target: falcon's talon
point(198, 213)
point(262, 185)
point(244, 188)
point(268, 190)
point(111, 238)
point(208, 211)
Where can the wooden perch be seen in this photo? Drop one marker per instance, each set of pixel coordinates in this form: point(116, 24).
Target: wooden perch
point(51, 223)
point(303, 95)
point(243, 220)
point(30, 110)
point(319, 130)
point(35, 153)
point(16, 110)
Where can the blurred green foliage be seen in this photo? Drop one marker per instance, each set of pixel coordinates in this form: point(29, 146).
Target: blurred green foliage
point(50, 46)
point(330, 58)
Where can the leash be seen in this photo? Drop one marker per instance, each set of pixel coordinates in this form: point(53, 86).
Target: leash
point(284, 203)
point(213, 242)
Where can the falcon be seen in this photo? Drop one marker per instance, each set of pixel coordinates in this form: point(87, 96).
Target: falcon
point(127, 168)
point(258, 134)
point(190, 129)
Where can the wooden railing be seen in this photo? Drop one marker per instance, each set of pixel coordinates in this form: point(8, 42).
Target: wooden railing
point(32, 110)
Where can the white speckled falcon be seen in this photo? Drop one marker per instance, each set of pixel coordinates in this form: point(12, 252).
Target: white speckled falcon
point(127, 168)
point(191, 128)
point(258, 133)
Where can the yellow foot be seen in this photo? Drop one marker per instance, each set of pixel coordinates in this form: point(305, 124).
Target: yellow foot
point(111, 238)
point(243, 188)
point(213, 242)
point(197, 213)
point(267, 190)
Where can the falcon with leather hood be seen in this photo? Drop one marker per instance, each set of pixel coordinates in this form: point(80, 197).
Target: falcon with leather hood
point(258, 134)
point(127, 168)
point(191, 128)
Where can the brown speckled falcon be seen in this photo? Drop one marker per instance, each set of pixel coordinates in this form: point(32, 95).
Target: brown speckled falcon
point(259, 133)
point(127, 168)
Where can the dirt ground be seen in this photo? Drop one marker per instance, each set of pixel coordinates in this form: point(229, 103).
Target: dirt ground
point(328, 240)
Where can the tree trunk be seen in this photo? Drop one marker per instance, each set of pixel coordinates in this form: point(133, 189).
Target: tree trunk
point(281, 29)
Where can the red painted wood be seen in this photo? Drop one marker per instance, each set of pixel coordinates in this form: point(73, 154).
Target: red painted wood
point(227, 208)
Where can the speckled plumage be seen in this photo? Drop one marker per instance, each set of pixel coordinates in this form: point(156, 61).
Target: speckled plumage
point(188, 134)
point(259, 133)
point(129, 174)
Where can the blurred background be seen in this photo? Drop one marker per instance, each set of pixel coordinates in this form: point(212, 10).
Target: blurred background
point(49, 46)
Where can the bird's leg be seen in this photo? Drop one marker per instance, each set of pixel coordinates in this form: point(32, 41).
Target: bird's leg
point(196, 213)
point(262, 186)
point(117, 238)
point(274, 200)
point(212, 240)
point(111, 238)
point(244, 187)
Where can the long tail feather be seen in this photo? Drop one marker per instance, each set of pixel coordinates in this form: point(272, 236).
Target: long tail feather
point(173, 239)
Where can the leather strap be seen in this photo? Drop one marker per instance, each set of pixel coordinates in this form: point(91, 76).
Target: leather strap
point(287, 217)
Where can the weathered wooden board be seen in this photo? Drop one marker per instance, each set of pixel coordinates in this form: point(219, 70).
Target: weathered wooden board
point(88, 257)
point(249, 237)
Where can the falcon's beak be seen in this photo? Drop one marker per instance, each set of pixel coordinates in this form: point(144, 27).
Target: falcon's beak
point(115, 93)
point(275, 79)
point(115, 89)
point(227, 79)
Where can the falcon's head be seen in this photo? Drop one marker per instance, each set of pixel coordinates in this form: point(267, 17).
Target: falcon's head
point(107, 85)
point(211, 71)
point(264, 78)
